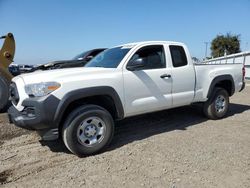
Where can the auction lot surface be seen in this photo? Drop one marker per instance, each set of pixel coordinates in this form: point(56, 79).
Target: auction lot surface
point(174, 148)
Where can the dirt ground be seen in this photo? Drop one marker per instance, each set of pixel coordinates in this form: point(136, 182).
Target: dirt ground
point(174, 148)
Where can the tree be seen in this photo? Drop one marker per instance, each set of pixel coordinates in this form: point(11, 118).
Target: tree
point(222, 44)
point(196, 60)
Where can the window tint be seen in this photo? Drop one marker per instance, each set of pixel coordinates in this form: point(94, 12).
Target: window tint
point(178, 55)
point(152, 55)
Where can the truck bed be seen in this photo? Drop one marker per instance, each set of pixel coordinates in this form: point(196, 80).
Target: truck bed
point(239, 58)
point(206, 72)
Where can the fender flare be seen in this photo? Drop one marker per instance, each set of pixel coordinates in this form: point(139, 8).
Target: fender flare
point(218, 79)
point(89, 92)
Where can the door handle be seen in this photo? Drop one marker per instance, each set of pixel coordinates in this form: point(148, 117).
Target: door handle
point(166, 76)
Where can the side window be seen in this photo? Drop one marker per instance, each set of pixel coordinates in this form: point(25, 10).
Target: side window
point(178, 55)
point(152, 55)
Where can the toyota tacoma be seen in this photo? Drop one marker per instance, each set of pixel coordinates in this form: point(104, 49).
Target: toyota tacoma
point(80, 105)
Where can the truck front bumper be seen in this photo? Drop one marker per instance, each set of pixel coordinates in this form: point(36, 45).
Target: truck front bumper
point(38, 114)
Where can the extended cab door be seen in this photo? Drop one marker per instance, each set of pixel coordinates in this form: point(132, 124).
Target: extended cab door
point(147, 88)
point(183, 76)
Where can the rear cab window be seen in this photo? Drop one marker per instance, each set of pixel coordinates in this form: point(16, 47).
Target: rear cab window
point(178, 56)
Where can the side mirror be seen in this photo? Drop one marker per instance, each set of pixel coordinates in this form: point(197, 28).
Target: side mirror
point(138, 63)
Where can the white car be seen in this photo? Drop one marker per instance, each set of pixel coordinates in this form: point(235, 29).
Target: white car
point(25, 68)
point(82, 103)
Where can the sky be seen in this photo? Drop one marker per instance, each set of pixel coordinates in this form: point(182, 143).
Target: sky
point(48, 30)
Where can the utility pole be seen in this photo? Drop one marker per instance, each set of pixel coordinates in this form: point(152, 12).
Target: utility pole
point(206, 43)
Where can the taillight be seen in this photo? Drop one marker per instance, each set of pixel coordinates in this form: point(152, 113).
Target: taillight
point(243, 71)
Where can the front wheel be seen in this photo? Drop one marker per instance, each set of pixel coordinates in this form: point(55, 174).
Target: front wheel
point(217, 105)
point(88, 130)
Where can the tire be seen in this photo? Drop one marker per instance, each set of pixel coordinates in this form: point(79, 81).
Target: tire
point(88, 130)
point(217, 105)
point(4, 94)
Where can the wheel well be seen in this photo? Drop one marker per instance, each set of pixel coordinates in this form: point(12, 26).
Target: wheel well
point(104, 101)
point(227, 85)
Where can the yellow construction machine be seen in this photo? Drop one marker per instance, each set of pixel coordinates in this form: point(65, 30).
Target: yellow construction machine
point(6, 58)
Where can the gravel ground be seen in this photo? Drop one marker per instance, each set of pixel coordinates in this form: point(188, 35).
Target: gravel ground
point(174, 148)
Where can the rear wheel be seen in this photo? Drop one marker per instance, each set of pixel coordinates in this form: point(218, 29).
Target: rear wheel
point(217, 105)
point(88, 130)
point(4, 94)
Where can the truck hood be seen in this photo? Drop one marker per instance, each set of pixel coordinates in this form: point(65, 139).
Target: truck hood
point(63, 74)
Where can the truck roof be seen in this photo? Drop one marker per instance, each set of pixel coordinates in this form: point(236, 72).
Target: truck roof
point(150, 42)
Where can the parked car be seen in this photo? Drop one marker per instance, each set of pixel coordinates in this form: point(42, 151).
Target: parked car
point(14, 70)
point(78, 61)
point(82, 104)
point(25, 68)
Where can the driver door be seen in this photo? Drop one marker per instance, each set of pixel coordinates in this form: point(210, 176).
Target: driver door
point(148, 87)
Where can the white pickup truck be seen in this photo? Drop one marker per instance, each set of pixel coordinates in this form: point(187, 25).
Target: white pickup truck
point(81, 104)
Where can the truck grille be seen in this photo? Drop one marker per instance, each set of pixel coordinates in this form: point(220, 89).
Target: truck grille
point(14, 96)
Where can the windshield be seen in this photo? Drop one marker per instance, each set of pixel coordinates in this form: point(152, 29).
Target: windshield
point(109, 58)
point(81, 55)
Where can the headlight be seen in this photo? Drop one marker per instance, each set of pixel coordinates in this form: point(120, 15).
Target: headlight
point(41, 89)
